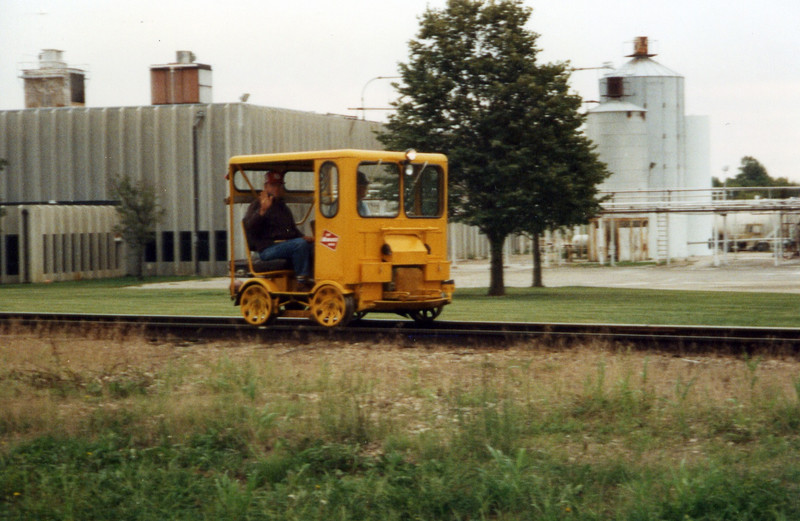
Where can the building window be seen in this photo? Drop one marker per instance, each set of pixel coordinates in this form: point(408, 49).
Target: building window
point(94, 251)
point(84, 251)
point(150, 250)
point(185, 246)
point(73, 240)
point(221, 245)
point(45, 252)
point(12, 254)
point(65, 267)
point(168, 246)
point(203, 246)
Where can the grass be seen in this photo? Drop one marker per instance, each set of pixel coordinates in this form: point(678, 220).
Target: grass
point(119, 427)
point(564, 304)
point(615, 305)
point(116, 296)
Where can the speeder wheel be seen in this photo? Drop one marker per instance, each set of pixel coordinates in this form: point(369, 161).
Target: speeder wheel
point(257, 305)
point(329, 307)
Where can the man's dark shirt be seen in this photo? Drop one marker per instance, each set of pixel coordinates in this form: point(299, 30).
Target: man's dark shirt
point(277, 223)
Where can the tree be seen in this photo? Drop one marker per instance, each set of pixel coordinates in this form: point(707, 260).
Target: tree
point(139, 213)
point(753, 174)
point(473, 89)
point(578, 174)
point(3, 164)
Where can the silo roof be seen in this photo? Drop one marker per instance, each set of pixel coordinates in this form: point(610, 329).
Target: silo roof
point(644, 67)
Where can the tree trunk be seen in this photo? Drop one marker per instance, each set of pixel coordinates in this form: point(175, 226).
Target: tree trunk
point(537, 263)
point(139, 268)
point(497, 286)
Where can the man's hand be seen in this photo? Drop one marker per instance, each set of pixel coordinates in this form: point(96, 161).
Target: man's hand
point(308, 238)
point(265, 200)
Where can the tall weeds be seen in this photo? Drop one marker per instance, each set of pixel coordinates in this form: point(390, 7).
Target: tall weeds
point(126, 428)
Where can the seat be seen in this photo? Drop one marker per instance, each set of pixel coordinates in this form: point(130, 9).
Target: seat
point(249, 268)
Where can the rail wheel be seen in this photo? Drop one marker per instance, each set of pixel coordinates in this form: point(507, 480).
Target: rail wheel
point(257, 306)
point(426, 315)
point(329, 307)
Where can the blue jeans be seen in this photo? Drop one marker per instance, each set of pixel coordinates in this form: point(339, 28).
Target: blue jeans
point(296, 250)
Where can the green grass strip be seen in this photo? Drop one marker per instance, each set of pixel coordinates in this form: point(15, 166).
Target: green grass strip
point(562, 304)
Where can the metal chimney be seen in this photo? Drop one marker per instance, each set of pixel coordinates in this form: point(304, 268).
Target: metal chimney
point(185, 56)
point(640, 48)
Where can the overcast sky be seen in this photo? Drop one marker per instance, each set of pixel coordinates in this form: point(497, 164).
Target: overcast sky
point(740, 59)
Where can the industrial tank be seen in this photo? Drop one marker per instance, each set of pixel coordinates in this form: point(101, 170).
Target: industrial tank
point(619, 129)
point(698, 178)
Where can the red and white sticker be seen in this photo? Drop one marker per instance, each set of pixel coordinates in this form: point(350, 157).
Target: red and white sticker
point(329, 239)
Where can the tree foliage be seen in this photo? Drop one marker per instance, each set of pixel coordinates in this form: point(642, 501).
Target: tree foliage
point(473, 89)
point(3, 164)
point(753, 174)
point(139, 214)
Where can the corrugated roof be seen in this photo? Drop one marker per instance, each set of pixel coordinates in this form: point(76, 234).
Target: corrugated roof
point(644, 67)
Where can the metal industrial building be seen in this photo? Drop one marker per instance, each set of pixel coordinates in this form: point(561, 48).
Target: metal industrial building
point(69, 157)
point(56, 186)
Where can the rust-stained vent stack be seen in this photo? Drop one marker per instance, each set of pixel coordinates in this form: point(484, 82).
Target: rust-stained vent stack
point(54, 84)
point(182, 82)
point(640, 48)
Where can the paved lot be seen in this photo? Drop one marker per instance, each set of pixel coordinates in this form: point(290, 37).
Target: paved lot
point(743, 272)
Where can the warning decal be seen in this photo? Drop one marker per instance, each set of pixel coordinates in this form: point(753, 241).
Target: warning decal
point(329, 239)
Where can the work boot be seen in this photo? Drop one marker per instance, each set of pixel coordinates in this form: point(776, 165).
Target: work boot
point(304, 284)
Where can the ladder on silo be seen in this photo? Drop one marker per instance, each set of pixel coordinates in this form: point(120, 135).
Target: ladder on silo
point(662, 237)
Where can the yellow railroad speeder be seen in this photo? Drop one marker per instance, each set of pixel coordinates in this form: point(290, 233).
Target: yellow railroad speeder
point(379, 225)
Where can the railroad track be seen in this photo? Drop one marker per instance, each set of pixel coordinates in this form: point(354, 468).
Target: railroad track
point(194, 328)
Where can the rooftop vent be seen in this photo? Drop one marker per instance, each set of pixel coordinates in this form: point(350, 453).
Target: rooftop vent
point(54, 84)
point(640, 48)
point(182, 82)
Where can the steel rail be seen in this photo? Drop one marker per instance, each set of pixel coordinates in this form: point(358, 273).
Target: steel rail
point(712, 338)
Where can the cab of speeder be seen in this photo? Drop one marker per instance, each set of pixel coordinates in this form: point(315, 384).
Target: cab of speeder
point(379, 223)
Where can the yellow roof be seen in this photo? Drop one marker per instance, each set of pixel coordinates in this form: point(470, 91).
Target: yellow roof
point(369, 155)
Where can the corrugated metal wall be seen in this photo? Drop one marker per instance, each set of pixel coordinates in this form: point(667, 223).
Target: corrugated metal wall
point(73, 154)
point(59, 242)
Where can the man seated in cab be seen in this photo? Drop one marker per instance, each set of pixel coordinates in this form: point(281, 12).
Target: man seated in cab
point(272, 232)
point(362, 184)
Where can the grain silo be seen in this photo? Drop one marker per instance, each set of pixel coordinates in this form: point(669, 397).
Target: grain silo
point(659, 90)
point(642, 106)
point(619, 129)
